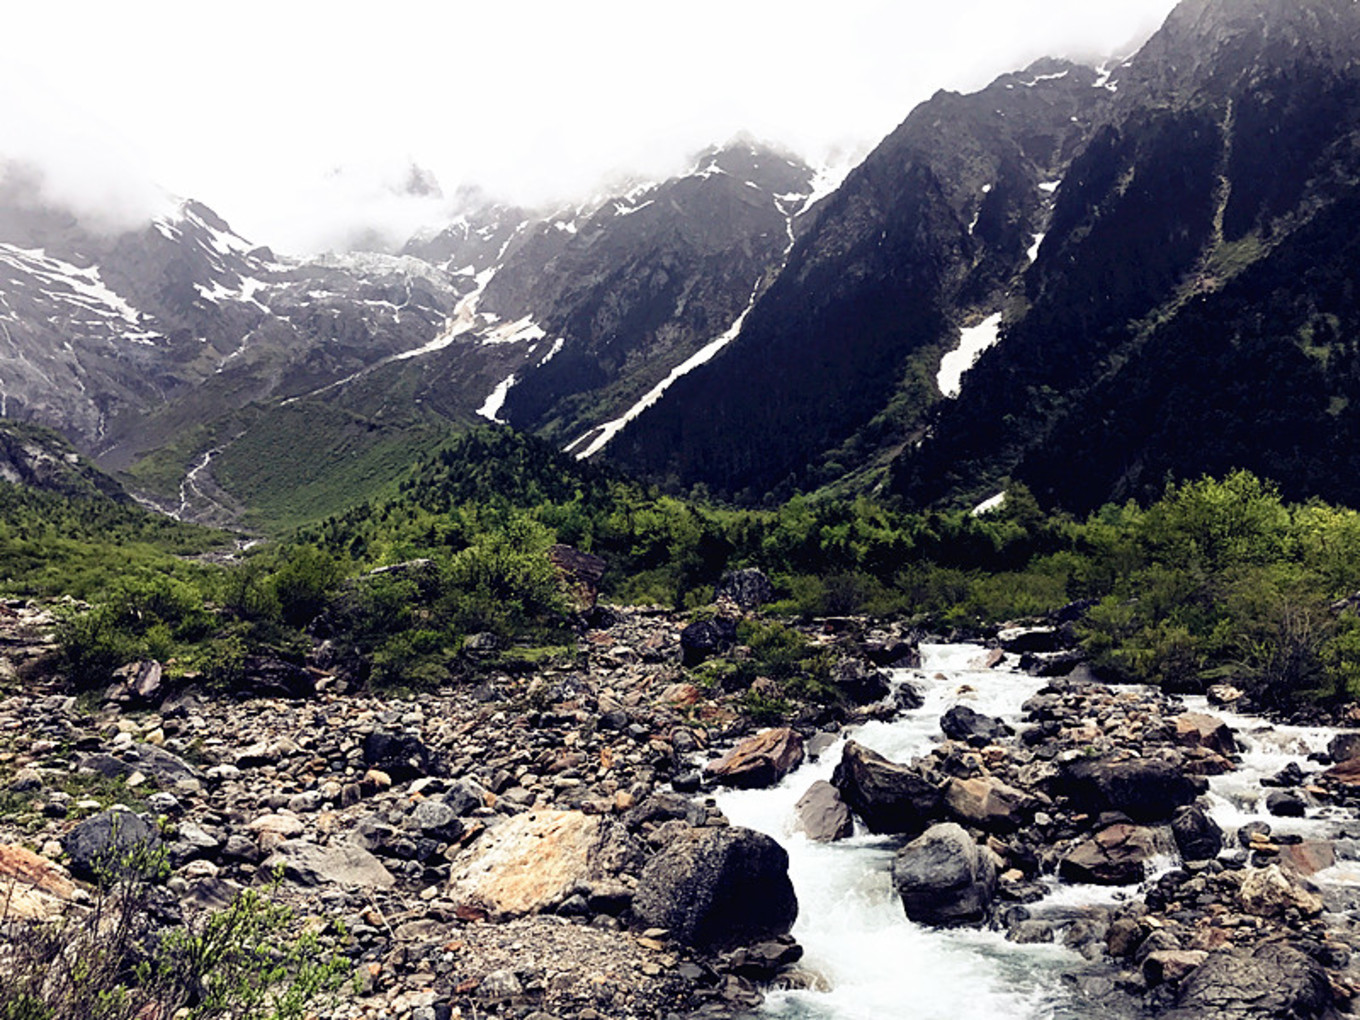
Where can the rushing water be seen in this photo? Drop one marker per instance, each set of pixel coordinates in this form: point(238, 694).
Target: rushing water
point(879, 965)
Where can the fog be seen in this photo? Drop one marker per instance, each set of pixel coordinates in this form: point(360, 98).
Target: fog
point(299, 122)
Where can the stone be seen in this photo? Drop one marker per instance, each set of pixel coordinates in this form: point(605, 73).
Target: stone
point(533, 862)
point(717, 889)
point(1273, 892)
point(1307, 858)
point(747, 589)
point(308, 864)
point(1030, 639)
point(987, 803)
point(1346, 773)
point(759, 761)
point(908, 697)
point(706, 638)
point(32, 888)
point(1196, 729)
point(1344, 747)
point(1146, 789)
point(1286, 804)
point(108, 842)
point(401, 756)
point(281, 826)
point(1198, 837)
point(582, 573)
point(858, 684)
point(890, 798)
point(1171, 966)
point(1265, 982)
point(944, 877)
point(966, 724)
point(821, 814)
point(1117, 855)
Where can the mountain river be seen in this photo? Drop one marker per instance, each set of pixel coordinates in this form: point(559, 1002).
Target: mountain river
point(879, 965)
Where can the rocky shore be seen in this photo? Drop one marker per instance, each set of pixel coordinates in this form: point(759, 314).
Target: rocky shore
point(543, 843)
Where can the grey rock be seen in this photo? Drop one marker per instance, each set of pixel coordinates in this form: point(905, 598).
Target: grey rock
point(1270, 981)
point(1198, 836)
point(944, 877)
point(748, 589)
point(109, 843)
point(889, 797)
point(307, 864)
point(822, 815)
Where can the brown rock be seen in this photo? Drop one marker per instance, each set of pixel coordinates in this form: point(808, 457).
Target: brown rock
point(822, 815)
point(1196, 729)
point(1308, 858)
point(534, 861)
point(1116, 856)
point(1171, 966)
point(1345, 774)
point(987, 803)
point(31, 887)
point(759, 761)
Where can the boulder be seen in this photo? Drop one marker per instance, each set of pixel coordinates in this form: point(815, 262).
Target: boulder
point(109, 842)
point(1309, 857)
point(401, 756)
point(1286, 804)
point(963, 723)
point(908, 697)
point(890, 798)
point(581, 573)
point(1344, 747)
point(1116, 855)
point(987, 803)
point(1030, 639)
point(1273, 892)
point(944, 877)
point(822, 815)
point(32, 888)
point(535, 861)
point(267, 677)
point(1198, 837)
point(1171, 966)
point(307, 864)
point(759, 761)
point(718, 888)
point(706, 638)
point(1262, 983)
point(1147, 790)
point(859, 684)
point(895, 654)
point(1196, 729)
point(1346, 773)
point(746, 589)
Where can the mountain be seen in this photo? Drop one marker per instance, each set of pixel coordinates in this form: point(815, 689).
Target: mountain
point(1192, 306)
point(839, 355)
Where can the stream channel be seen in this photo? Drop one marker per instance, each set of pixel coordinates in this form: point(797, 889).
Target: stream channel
point(880, 966)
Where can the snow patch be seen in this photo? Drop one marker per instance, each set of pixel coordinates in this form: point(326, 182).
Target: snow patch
point(1033, 252)
point(988, 505)
point(1049, 186)
point(495, 400)
point(514, 332)
point(625, 210)
point(972, 342)
point(1044, 77)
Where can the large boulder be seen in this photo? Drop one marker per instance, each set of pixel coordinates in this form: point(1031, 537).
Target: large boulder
point(535, 861)
point(1116, 855)
point(966, 724)
point(1269, 981)
point(822, 815)
point(987, 803)
point(402, 756)
point(747, 589)
point(1344, 747)
point(890, 798)
point(1198, 837)
point(718, 888)
point(944, 877)
point(1273, 892)
point(1145, 789)
point(109, 843)
point(32, 888)
point(706, 638)
point(581, 572)
point(307, 864)
point(1196, 729)
point(759, 761)
point(859, 684)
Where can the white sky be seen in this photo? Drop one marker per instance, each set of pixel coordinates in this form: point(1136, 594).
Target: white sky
point(292, 117)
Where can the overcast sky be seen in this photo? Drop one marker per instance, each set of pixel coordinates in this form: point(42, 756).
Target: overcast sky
point(295, 119)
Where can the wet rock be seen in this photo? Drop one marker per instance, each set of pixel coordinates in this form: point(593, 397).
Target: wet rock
point(746, 589)
point(1272, 892)
point(759, 761)
point(764, 960)
point(1344, 747)
point(1171, 966)
point(1309, 857)
point(822, 815)
point(308, 864)
point(859, 684)
point(908, 697)
point(702, 640)
point(963, 723)
point(534, 861)
point(1286, 804)
point(944, 877)
point(987, 803)
point(1262, 983)
point(718, 888)
point(1195, 729)
point(1198, 837)
point(893, 654)
point(1147, 790)
point(1030, 639)
point(105, 844)
point(1117, 855)
point(890, 798)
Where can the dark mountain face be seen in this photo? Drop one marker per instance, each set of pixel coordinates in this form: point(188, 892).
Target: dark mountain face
point(1187, 310)
point(926, 234)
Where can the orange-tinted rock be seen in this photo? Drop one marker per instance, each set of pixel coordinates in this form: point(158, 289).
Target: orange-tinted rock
point(1196, 729)
point(31, 887)
point(759, 761)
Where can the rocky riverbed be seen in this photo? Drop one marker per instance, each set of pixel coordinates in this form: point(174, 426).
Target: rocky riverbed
point(546, 842)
